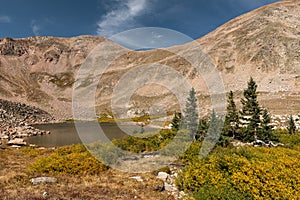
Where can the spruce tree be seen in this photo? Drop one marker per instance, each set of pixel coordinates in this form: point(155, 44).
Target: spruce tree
point(176, 122)
point(202, 129)
point(215, 128)
point(191, 113)
point(291, 126)
point(250, 113)
point(231, 119)
point(266, 131)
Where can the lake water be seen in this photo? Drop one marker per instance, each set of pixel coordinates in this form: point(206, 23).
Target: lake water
point(66, 133)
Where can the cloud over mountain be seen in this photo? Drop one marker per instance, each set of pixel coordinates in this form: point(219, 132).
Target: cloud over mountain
point(122, 17)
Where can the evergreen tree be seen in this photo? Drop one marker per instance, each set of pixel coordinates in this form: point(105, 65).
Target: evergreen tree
point(231, 119)
point(292, 126)
point(250, 113)
point(202, 129)
point(266, 131)
point(215, 128)
point(176, 122)
point(191, 114)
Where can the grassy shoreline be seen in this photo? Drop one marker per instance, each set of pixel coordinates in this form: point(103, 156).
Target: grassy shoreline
point(16, 171)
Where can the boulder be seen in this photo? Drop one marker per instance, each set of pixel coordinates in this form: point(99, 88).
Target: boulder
point(162, 176)
point(17, 141)
point(170, 188)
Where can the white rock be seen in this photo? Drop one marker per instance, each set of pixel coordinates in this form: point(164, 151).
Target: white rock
point(38, 180)
point(16, 146)
point(162, 176)
point(169, 187)
point(17, 141)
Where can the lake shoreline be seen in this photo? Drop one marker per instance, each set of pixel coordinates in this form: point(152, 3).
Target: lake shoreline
point(68, 133)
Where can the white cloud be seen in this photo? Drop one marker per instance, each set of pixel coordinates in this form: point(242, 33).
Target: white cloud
point(122, 17)
point(35, 27)
point(4, 19)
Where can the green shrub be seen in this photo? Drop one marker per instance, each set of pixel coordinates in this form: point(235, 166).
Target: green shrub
point(291, 141)
point(137, 144)
point(105, 152)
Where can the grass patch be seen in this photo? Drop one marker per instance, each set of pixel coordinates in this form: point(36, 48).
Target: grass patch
point(15, 174)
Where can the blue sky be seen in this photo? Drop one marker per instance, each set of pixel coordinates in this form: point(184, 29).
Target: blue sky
point(67, 18)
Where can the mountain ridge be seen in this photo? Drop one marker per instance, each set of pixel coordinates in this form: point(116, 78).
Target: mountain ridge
point(264, 43)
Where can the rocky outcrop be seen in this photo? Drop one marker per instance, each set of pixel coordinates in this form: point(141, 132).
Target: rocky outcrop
point(11, 47)
point(169, 183)
point(40, 71)
point(18, 113)
point(16, 120)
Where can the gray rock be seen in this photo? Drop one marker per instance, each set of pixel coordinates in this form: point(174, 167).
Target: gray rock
point(40, 180)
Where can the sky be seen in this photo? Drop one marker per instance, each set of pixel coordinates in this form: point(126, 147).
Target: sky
point(68, 18)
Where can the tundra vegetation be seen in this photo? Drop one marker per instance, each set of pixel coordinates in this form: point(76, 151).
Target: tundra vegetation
point(246, 163)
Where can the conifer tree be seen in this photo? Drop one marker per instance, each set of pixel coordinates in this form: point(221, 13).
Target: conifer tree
point(215, 128)
point(266, 130)
point(176, 122)
point(202, 129)
point(231, 119)
point(191, 113)
point(291, 126)
point(250, 113)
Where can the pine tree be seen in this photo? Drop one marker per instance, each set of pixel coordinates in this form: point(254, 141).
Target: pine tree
point(250, 113)
point(176, 122)
point(191, 113)
point(215, 128)
point(266, 131)
point(231, 119)
point(292, 126)
point(202, 129)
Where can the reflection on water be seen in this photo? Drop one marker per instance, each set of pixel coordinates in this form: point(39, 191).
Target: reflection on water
point(66, 134)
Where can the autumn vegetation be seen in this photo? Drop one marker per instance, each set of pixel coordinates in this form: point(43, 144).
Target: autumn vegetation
point(228, 172)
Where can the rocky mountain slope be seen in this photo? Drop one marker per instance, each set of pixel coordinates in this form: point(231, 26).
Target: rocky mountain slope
point(40, 71)
point(264, 43)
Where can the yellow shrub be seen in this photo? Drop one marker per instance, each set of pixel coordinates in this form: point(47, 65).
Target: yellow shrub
point(73, 159)
point(250, 173)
